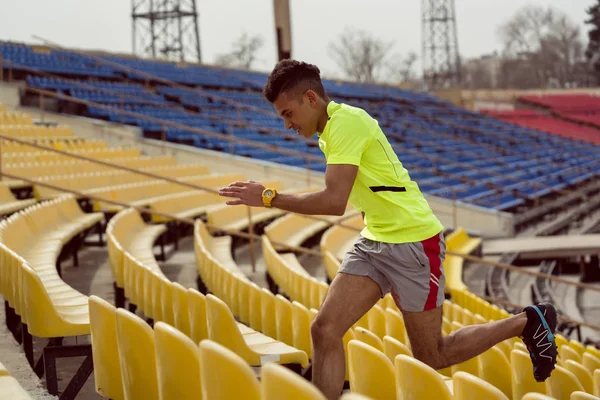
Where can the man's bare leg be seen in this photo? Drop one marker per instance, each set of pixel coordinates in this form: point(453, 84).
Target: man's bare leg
point(349, 297)
point(424, 332)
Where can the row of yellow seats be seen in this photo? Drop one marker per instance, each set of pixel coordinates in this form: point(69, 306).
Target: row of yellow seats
point(9, 147)
point(30, 243)
point(295, 229)
point(36, 131)
point(162, 300)
point(10, 388)
point(109, 179)
point(371, 374)
point(579, 362)
point(48, 156)
point(477, 305)
point(134, 240)
point(9, 203)
point(36, 236)
point(69, 167)
point(144, 192)
point(291, 277)
point(61, 170)
point(132, 360)
point(255, 307)
point(14, 118)
point(337, 240)
point(236, 218)
point(183, 205)
point(272, 315)
point(37, 134)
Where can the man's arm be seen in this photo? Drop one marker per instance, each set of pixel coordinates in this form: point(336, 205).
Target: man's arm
point(339, 179)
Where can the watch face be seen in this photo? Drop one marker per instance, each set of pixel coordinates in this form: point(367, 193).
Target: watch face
point(268, 193)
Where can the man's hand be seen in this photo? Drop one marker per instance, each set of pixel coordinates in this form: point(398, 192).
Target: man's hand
point(248, 193)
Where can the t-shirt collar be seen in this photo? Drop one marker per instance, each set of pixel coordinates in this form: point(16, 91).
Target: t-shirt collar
point(332, 107)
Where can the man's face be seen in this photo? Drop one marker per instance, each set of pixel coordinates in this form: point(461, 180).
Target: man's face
point(298, 112)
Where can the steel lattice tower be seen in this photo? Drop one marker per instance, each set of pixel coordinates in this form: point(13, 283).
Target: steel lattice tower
point(441, 59)
point(166, 29)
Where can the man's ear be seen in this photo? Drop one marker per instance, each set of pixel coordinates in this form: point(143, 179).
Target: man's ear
point(311, 97)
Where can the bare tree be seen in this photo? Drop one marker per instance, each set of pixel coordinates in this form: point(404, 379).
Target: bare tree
point(401, 69)
point(544, 45)
point(360, 55)
point(243, 52)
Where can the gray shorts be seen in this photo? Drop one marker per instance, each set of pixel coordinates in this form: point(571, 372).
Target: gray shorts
point(412, 271)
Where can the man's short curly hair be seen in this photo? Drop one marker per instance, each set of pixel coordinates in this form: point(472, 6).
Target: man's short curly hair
point(293, 75)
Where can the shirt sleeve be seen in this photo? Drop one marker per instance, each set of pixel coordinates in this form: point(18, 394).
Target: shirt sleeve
point(348, 138)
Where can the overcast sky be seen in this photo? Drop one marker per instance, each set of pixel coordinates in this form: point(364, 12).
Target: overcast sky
point(106, 24)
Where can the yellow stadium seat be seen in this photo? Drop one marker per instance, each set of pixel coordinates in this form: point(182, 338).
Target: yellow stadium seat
point(566, 352)
point(467, 387)
point(225, 375)
point(181, 312)
point(283, 311)
point(135, 340)
point(44, 319)
point(459, 242)
point(536, 396)
point(560, 340)
point(521, 346)
point(368, 337)
point(267, 311)
point(430, 385)
point(593, 351)
point(522, 375)
point(166, 297)
point(581, 373)
point(278, 382)
point(590, 362)
point(597, 382)
point(107, 367)
point(494, 368)
point(301, 328)
point(394, 325)
point(583, 396)
point(577, 346)
point(11, 389)
point(562, 383)
point(371, 372)
point(255, 307)
point(457, 313)
point(354, 396)
point(506, 347)
point(177, 364)
point(393, 347)
point(332, 265)
point(376, 320)
point(348, 336)
point(223, 329)
point(478, 319)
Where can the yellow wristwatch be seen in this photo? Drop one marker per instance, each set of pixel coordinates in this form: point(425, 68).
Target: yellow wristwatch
point(267, 196)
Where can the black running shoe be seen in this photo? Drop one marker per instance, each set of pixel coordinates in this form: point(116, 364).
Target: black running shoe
point(538, 336)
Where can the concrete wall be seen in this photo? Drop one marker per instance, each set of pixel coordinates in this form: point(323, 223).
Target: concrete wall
point(9, 94)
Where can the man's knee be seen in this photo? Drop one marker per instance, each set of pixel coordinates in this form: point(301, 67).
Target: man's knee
point(323, 331)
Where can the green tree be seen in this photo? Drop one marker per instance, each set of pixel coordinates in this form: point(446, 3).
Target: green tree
point(593, 50)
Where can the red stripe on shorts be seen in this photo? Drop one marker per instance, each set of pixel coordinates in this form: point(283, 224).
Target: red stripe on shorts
point(432, 250)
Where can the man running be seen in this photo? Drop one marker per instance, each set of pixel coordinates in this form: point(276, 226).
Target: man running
point(401, 248)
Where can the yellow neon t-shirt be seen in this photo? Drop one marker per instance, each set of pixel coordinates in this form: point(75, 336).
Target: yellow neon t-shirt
point(395, 209)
